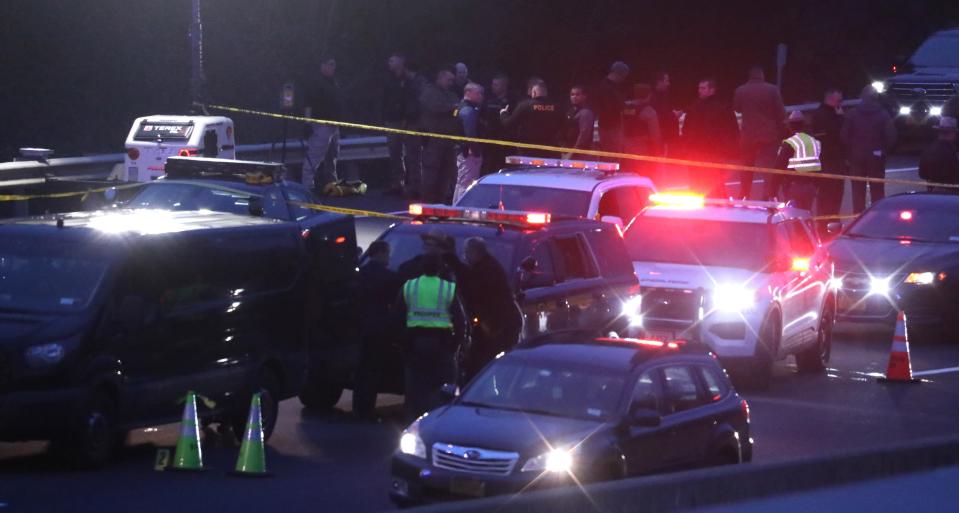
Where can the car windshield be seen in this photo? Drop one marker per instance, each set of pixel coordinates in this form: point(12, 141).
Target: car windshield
point(36, 275)
point(558, 202)
point(406, 245)
point(910, 219)
point(190, 197)
point(699, 242)
point(938, 51)
point(548, 389)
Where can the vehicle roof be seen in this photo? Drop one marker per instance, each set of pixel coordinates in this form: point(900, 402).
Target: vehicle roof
point(738, 214)
point(143, 223)
point(175, 118)
point(616, 356)
point(464, 227)
point(925, 198)
point(585, 180)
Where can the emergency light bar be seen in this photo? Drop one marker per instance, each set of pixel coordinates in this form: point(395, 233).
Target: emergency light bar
point(520, 160)
point(692, 201)
point(657, 344)
point(480, 214)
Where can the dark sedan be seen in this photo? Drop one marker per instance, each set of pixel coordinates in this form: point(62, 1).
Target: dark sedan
point(902, 253)
point(579, 410)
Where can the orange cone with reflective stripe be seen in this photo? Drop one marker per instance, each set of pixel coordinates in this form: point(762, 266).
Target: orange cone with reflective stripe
point(188, 455)
point(900, 367)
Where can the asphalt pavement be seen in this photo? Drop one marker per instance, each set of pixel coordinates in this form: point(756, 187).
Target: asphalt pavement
point(333, 462)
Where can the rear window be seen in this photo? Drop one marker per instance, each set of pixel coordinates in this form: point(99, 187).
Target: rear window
point(163, 131)
point(558, 202)
point(610, 252)
point(699, 242)
point(914, 217)
point(406, 245)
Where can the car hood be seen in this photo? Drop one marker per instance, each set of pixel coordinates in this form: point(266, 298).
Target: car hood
point(927, 74)
point(682, 276)
point(22, 327)
point(880, 256)
point(503, 430)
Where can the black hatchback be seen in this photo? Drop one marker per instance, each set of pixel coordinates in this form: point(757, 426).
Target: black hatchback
point(574, 409)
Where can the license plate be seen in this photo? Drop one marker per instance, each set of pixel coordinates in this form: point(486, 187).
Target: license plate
point(663, 336)
point(465, 486)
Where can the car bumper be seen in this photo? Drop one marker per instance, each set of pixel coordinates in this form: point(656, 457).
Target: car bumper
point(728, 334)
point(37, 414)
point(417, 481)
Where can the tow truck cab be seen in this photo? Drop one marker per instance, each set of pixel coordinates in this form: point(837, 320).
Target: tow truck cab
point(154, 138)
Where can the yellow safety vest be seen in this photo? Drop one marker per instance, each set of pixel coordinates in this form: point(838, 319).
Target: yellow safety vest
point(806, 152)
point(428, 300)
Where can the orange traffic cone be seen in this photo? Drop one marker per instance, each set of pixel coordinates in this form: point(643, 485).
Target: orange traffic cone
point(900, 368)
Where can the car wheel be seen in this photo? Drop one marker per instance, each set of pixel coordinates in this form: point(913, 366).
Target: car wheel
point(760, 370)
point(319, 394)
point(725, 456)
point(815, 357)
point(94, 435)
point(269, 391)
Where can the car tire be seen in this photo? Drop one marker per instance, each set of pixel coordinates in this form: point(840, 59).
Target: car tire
point(94, 436)
point(727, 455)
point(760, 370)
point(815, 357)
point(322, 395)
point(269, 390)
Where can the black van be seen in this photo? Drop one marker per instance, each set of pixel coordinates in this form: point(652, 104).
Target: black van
point(107, 319)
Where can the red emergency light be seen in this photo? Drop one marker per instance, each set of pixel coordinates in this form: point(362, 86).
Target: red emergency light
point(800, 264)
point(519, 160)
point(906, 215)
point(481, 214)
point(658, 344)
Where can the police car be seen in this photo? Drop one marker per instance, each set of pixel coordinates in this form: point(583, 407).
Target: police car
point(566, 273)
point(744, 277)
point(592, 190)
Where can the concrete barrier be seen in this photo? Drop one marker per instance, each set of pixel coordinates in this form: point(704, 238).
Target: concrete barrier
point(698, 488)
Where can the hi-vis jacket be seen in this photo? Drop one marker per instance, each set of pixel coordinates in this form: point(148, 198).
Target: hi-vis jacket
point(806, 153)
point(428, 300)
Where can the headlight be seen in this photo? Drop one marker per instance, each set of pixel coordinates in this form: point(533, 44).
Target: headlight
point(835, 283)
point(935, 111)
point(557, 460)
point(921, 278)
point(411, 443)
point(905, 110)
point(879, 86)
point(632, 310)
point(44, 355)
point(879, 286)
point(733, 298)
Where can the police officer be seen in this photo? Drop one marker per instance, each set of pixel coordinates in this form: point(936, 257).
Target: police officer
point(438, 104)
point(378, 285)
point(802, 153)
point(469, 158)
point(499, 98)
point(537, 120)
point(324, 100)
point(489, 301)
point(578, 130)
point(434, 326)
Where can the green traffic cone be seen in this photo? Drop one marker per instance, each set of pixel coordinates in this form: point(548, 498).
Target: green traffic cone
point(188, 455)
point(252, 460)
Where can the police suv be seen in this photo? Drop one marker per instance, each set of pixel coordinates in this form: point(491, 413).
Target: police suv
point(742, 276)
point(566, 272)
point(592, 190)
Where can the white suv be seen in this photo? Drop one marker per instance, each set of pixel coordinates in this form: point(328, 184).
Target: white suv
point(743, 277)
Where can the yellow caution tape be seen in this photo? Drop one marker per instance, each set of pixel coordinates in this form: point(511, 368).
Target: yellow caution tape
point(593, 153)
point(57, 195)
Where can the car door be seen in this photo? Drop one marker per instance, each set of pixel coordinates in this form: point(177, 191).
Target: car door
point(807, 283)
point(619, 282)
point(687, 429)
point(642, 446)
point(581, 286)
point(543, 310)
point(789, 284)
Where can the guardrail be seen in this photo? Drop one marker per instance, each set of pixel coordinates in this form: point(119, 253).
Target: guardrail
point(97, 167)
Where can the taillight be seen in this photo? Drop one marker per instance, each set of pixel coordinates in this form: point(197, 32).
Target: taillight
point(188, 152)
point(745, 407)
point(133, 153)
point(340, 240)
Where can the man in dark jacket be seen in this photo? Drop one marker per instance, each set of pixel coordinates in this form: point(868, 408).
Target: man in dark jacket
point(578, 131)
point(939, 162)
point(469, 158)
point(324, 100)
point(611, 96)
point(826, 127)
point(499, 98)
point(665, 110)
point(537, 120)
point(642, 134)
point(489, 302)
point(764, 126)
point(438, 104)
point(378, 286)
point(709, 134)
point(401, 110)
point(868, 134)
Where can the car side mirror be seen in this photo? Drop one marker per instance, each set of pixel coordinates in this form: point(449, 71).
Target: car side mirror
point(256, 206)
point(449, 391)
point(834, 228)
point(615, 220)
point(645, 417)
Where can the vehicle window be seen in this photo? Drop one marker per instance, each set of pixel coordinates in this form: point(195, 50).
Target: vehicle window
point(938, 51)
point(646, 393)
point(263, 263)
point(681, 390)
point(182, 196)
point(574, 257)
point(558, 202)
point(544, 258)
point(300, 213)
point(547, 388)
point(920, 218)
point(274, 205)
point(699, 242)
point(715, 387)
point(211, 144)
point(405, 245)
point(624, 202)
point(610, 252)
point(153, 131)
point(38, 275)
point(799, 241)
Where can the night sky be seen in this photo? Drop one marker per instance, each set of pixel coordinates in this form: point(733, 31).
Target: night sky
point(76, 73)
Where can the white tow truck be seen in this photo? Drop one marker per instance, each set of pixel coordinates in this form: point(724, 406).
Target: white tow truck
point(154, 138)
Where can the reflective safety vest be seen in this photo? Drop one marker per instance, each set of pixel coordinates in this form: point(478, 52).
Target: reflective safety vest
point(428, 300)
point(806, 152)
